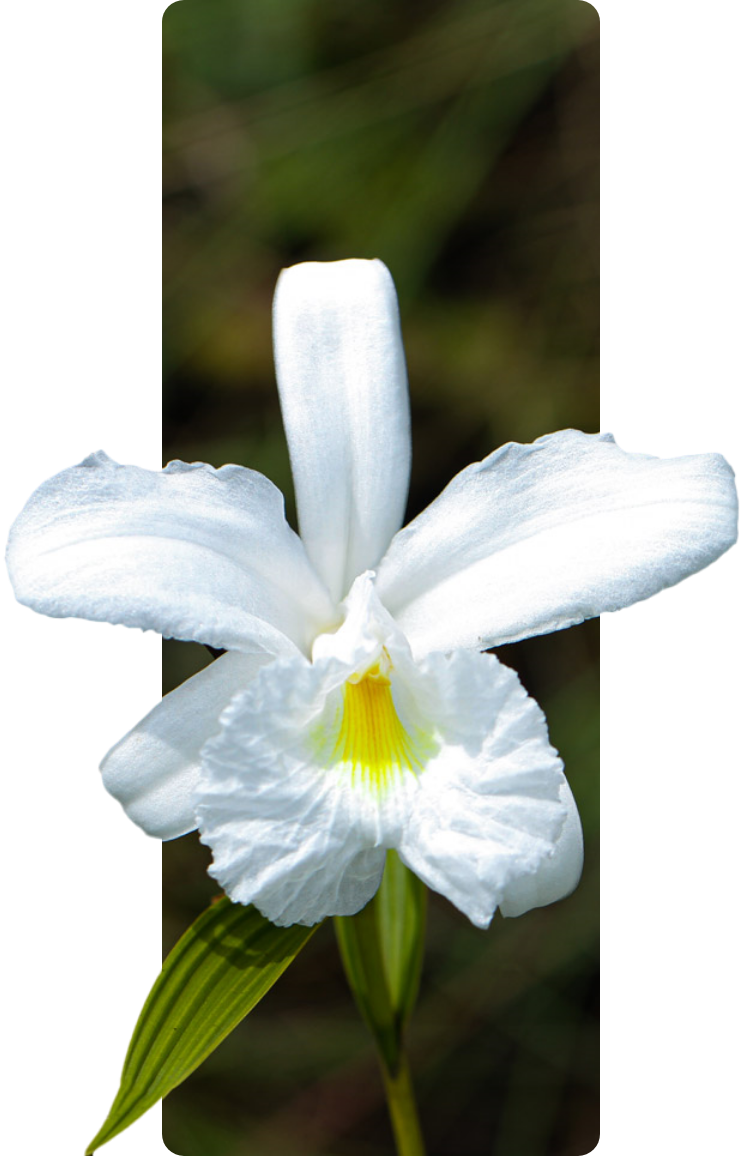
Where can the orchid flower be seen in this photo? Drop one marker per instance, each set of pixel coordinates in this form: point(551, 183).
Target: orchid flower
point(354, 711)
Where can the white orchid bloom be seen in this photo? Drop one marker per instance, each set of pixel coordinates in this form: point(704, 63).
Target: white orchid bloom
point(354, 711)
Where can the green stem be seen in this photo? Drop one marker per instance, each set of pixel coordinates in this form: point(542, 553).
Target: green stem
point(403, 1110)
point(360, 948)
point(381, 949)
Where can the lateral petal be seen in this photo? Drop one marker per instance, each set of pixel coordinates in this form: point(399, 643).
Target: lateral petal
point(343, 389)
point(154, 769)
point(192, 552)
point(539, 537)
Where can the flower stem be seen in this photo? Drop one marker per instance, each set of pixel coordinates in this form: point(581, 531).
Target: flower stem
point(403, 1110)
point(381, 949)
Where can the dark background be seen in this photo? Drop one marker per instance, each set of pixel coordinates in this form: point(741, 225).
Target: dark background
point(457, 140)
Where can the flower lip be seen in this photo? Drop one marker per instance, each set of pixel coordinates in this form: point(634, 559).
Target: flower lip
point(321, 766)
point(373, 732)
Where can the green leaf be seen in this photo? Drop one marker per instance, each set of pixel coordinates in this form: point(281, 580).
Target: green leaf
point(381, 949)
point(218, 971)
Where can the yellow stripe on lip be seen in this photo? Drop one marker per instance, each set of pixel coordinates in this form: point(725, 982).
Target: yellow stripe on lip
point(372, 742)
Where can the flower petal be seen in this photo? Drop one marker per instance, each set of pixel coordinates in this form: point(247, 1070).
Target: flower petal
point(489, 809)
point(319, 768)
point(273, 824)
point(154, 769)
point(539, 537)
point(343, 389)
point(192, 552)
point(555, 877)
point(282, 834)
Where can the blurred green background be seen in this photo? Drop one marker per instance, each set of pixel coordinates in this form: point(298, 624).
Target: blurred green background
point(458, 141)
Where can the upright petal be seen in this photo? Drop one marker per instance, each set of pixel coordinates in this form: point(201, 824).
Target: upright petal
point(154, 769)
point(192, 552)
point(539, 537)
point(343, 389)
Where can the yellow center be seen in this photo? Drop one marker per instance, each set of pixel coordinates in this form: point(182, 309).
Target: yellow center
point(372, 743)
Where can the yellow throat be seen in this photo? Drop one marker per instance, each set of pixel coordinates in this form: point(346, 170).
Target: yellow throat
point(372, 743)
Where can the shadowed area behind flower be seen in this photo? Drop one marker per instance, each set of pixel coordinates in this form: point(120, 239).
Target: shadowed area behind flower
point(458, 143)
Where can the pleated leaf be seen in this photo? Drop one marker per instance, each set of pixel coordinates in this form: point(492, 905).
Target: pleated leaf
point(217, 972)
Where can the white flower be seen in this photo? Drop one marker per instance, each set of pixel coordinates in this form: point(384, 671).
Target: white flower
point(354, 711)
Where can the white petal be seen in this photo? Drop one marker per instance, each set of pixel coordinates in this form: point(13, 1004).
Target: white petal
point(153, 770)
point(298, 822)
point(539, 537)
point(343, 388)
point(192, 552)
point(490, 808)
point(555, 877)
point(283, 835)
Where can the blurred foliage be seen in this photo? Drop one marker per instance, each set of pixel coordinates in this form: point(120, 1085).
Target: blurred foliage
point(458, 141)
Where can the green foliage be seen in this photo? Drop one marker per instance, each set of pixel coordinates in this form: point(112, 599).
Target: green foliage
point(218, 971)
